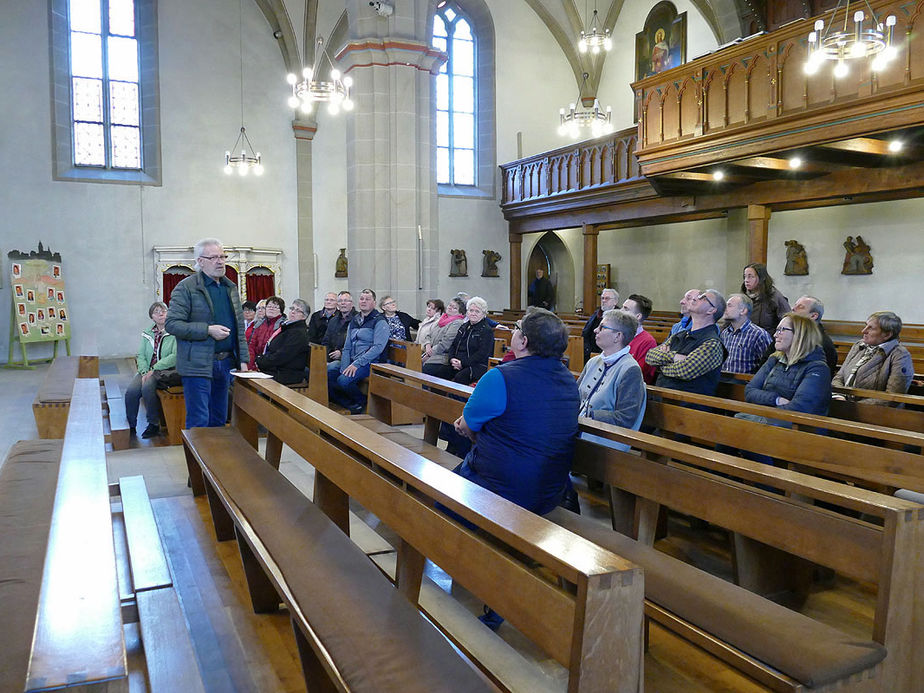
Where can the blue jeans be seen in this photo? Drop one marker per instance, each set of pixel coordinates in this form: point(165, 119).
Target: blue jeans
point(207, 398)
point(137, 391)
point(342, 389)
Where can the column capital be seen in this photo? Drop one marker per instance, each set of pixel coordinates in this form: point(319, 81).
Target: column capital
point(304, 129)
point(515, 238)
point(758, 212)
point(590, 230)
point(383, 52)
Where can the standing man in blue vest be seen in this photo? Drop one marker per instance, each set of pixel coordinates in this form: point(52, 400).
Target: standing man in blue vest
point(205, 317)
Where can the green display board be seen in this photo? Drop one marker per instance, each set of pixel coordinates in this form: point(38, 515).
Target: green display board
point(39, 300)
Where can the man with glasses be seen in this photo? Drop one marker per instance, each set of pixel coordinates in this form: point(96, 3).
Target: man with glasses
point(609, 299)
point(206, 318)
point(317, 325)
point(691, 360)
point(744, 341)
point(337, 325)
point(286, 354)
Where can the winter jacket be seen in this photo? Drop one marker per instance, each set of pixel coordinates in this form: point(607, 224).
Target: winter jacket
point(473, 345)
point(286, 355)
point(366, 340)
point(766, 313)
point(890, 370)
point(806, 384)
point(166, 359)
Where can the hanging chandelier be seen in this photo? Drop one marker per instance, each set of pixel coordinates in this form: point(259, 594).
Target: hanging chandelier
point(839, 41)
point(243, 161)
point(577, 118)
point(594, 38)
point(335, 91)
point(234, 159)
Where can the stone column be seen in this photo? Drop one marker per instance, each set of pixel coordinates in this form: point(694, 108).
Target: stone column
point(516, 271)
point(392, 205)
point(590, 233)
point(758, 225)
point(304, 131)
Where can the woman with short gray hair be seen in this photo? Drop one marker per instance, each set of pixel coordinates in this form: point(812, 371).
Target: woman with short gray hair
point(877, 361)
point(611, 385)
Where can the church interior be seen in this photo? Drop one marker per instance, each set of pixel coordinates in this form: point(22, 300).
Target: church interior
point(407, 146)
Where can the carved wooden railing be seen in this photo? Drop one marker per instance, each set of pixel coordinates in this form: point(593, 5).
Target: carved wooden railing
point(583, 166)
point(756, 96)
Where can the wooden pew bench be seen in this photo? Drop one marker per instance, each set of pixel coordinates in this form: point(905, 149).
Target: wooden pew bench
point(580, 605)
point(28, 479)
point(52, 401)
point(118, 434)
point(779, 648)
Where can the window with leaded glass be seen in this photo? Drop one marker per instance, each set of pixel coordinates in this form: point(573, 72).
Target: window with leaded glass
point(105, 93)
point(455, 97)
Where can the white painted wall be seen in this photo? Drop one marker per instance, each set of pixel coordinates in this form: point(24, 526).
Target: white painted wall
point(106, 232)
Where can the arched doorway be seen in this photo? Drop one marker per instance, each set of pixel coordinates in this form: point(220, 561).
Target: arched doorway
point(551, 255)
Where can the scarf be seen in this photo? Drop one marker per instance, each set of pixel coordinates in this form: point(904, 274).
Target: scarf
point(446, 318)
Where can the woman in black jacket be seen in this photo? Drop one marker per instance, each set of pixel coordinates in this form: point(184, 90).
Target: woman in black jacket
point(473, 345)
point(286, 355)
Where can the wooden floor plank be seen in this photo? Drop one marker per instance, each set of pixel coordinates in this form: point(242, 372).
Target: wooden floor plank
point(168, 653)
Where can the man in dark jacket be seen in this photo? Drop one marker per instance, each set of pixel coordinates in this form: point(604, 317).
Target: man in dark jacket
point(286, 353)
point(540, 291)
point(365, 344)
point(609, 299)
point(337, 325)
point(205, 317)
point(813, 308)
point(317, 325)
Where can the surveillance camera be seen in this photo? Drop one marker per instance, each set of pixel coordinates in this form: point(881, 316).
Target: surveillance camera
point(383, 8)
point(277, 34)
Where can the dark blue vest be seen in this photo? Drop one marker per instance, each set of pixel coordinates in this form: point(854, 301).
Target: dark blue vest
point(525, 453)
point(684, 342)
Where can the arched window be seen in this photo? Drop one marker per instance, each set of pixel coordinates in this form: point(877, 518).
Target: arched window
point(455, 97)
point(105, 97)
point(465, 150)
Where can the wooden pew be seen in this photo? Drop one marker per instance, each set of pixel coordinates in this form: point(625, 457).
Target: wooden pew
point(173, 407)
point(889, 550)
point(910, 416)
point(408, 355)
point(78, 637)
point(119, 435)
point(28, 478)
point(515, 561)
point(52, 401)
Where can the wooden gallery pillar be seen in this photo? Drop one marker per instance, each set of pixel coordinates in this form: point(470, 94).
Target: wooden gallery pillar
point(758, 224)
point(590, 233)
point(516, 273)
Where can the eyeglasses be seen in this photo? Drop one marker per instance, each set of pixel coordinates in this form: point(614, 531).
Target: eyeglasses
point(213, 258)
point(704, 297)
point(518, 326)
point(601, 326)
point(291, 308)
point(783, 329)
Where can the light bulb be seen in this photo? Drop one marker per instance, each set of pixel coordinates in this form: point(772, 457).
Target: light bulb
point(334, 75)
point(582, 46)
point(306, 73)
point(596, 49)
point(348, 81)
point(879, 63)
point(607, 43)
point(258, 170)
point(562, 130)
point(306, 106)
point(841, 69)
point(895, 146)
point(795, 162)
point(858, 50)
point(333, 108)
point(228, 170)
point(347, 104)
point(810, 67)
point(293, 101)
point(242, 170)
point(291, 78)
point(718, 175)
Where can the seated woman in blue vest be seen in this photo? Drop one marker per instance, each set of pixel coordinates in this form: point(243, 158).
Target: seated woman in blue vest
point(522, 418)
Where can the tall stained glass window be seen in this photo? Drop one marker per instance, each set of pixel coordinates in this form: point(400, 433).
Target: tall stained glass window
point(105, 94)
point(455, 97)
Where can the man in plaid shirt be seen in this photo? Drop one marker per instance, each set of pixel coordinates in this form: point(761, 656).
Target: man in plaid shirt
point(691, 360)
point(745, 341)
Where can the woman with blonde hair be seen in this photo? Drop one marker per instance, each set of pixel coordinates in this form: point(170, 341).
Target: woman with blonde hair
point(796, 377)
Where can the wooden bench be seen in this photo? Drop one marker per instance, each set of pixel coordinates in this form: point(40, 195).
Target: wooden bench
point(28, 479)
point(52, 401)
point(148, 595)
point(119, 435)
point(173, 408)
point(738, 626)
point(578, 604)
point(78, 638)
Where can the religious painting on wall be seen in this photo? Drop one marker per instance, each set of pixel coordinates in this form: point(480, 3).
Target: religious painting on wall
point(39, 297)
point(662, 44)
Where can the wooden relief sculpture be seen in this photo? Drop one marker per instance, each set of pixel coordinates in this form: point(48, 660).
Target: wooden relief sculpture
point(459, 265)
point(489, 266)
point(341, 268)
point(796, 260)
point(858, 259)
